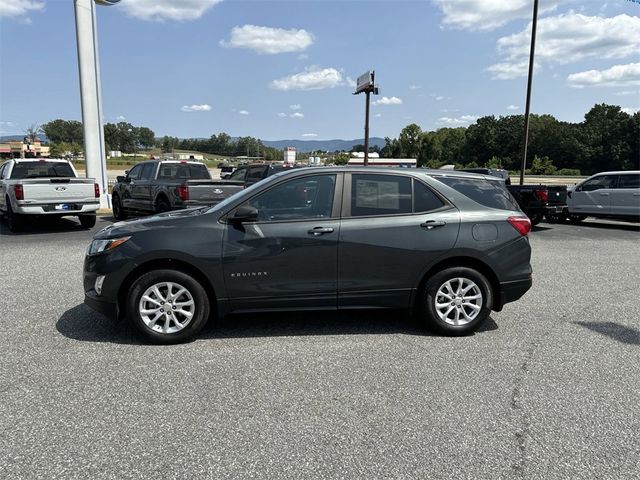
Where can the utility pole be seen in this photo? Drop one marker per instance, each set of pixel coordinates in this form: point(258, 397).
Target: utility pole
point(528, 105)
point(366, 84)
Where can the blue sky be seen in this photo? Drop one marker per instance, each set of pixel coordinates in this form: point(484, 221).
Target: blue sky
point(284, 69)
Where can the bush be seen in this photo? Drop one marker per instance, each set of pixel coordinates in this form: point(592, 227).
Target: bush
point(542, 166)
point(569, 172)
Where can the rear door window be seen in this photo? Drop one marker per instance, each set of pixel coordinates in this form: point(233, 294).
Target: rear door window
point(147, 171)
point(490, 193)
point(424, 200)
point(629, 180)
point(256, 174)
point(239, 175)
point(373, 194)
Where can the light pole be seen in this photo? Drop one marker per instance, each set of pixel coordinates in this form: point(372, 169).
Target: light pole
point(529, 80)
point(90, 96)
point(366, 83)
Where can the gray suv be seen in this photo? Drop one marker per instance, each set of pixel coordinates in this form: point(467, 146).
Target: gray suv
point(449, 246)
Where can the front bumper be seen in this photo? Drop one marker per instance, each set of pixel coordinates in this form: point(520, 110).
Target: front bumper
point(101, 305)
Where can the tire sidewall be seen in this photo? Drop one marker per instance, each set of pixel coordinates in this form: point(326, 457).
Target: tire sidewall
point(162, 205)
point(198, 293)
point(88, 221)
point(429, 300)
point(118, 212)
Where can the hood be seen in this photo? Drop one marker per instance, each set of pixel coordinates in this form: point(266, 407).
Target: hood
point(162, 220)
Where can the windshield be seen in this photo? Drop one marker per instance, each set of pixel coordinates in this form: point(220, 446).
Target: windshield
point(39, 169)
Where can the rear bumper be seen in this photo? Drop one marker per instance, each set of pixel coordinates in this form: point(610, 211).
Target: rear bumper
point(512, 291)
point(50, 209)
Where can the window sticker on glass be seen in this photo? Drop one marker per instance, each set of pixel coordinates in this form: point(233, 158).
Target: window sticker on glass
point(389, 195)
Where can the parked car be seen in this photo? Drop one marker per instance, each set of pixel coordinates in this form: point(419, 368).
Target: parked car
point(537, 201)
point(226, 171)
point(30, 188)
point(614, 195)
point(159, 186)
point(450, 247)
point(253, 173)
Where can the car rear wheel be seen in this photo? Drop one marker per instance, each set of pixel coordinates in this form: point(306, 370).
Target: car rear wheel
point(536, 219)
point(87, 221)
point(457, 300)
point(162, 205)
point(14, 221)
point(167, 306)
point(119, 213)
point(577, 219)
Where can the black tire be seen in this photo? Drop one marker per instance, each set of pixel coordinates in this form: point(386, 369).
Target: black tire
point(162, 205)
point(577, 219)
point(119, 213)
point(430, 295)
point(87, 221)
point(200, 312)
point(536, 219)
point(14, 220)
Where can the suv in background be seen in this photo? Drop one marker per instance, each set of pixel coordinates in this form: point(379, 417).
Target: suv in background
point(614, 195)
point(250, 174)
point(451, 247)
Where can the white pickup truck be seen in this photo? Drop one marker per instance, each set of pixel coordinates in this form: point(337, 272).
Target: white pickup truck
point(38, 187)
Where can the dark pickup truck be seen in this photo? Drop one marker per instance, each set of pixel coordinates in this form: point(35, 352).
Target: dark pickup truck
point(536, 201)
point(161, 185)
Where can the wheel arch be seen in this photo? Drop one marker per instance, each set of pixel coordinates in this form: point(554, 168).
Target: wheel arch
point(161, 195)
point(463, 261)
point(169, 264)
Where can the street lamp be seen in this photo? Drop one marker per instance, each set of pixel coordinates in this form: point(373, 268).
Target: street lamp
point(90, 95)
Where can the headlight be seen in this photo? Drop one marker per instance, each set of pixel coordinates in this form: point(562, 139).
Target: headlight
point(98, 246)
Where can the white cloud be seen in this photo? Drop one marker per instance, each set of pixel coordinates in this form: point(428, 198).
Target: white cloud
point(196, 108)
point(310, 135)
point(282, 115)
point(378, 115)
point(244, 112)
point(302, 56)
point(295, 106)
point(20, 8)
point(297, 115)
point(388, 101)
point(121, 118)
point(267, 40)
point(351, 82)
point(488, 14)
point(457, 121)
point(7, 124)
point(568, 38)
point(414, 87)
point(630, 110)
point(617, 76)
point(627, 92)
point(513, 107)
point(313, 78)
point(439, 97)
point(168, 9)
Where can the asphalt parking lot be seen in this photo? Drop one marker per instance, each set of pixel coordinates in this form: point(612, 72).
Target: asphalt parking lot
point(549, 388)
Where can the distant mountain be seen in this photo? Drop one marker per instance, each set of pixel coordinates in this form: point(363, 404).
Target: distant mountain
point(11, 138)
point(325, 145)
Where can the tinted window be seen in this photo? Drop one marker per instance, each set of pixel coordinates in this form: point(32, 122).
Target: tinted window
point(630, 180)
point(380, 195)
point(297, 199)
point(490, 193)
point(256, 173)
point(147, 171)
point(41, 169)
point(135, 172)
point(597, 183)
point(183, 171)
point(2, 169)
point(424, 200)
point(239, 175)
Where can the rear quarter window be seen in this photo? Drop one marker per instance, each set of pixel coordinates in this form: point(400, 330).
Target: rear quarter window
point(490, 193)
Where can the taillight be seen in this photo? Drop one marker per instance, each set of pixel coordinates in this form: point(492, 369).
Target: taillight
point(183, 192)
point(96, 190)
point(541, 195)
point(19, 192)
point(521, 224)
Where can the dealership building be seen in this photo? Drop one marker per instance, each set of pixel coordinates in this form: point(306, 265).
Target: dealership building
point(20, 149)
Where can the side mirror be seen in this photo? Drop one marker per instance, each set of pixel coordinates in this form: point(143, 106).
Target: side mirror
point(244, 214)
point(127, 179)
point(120, 179)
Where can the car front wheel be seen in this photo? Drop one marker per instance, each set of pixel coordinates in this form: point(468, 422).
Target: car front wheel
point(119, 213)
point(167, 306)
point(457, 300)
point(14, 221)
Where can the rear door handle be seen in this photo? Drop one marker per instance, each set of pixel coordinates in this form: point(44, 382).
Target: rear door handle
point(431, 224)
point(320, 231)
point(604, 194)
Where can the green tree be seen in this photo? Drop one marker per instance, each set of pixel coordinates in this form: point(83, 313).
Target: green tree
point(410, 141)
point(542, 166)
point(59, 130)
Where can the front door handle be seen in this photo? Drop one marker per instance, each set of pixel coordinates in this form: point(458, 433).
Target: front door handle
point(320, 231)
point(604, 194)
point(431, 224)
